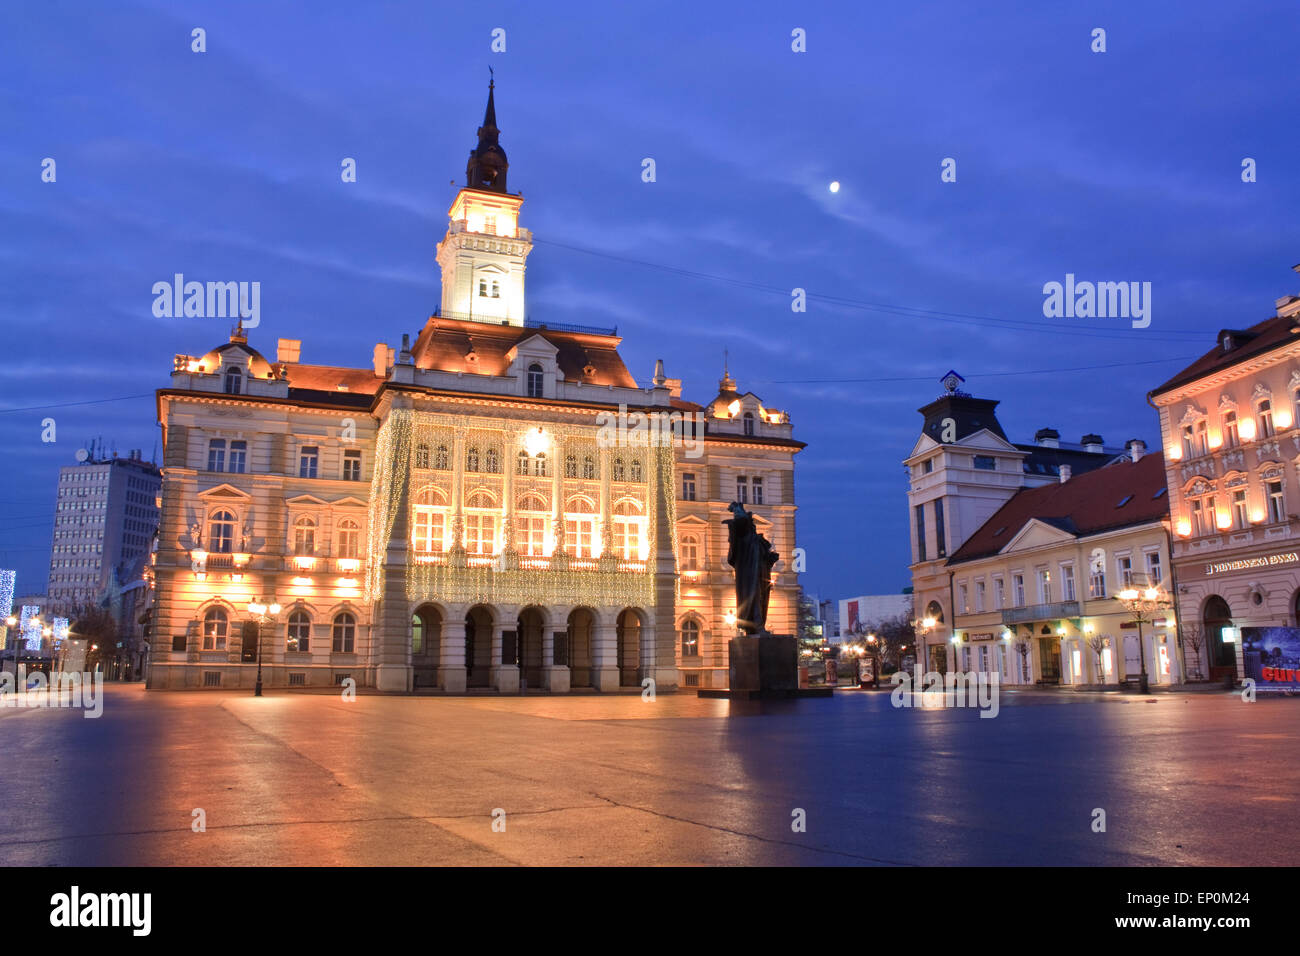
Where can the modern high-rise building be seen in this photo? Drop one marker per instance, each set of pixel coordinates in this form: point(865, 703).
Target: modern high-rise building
point(105, 518)
point(496, 503)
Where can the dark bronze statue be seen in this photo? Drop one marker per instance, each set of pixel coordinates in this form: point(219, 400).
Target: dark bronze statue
point(752, 557)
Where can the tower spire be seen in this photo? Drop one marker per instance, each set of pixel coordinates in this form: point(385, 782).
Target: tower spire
point(487, 162)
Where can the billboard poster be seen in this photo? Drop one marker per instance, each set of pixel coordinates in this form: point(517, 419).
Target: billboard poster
point(1272, 655)
point(854, 623)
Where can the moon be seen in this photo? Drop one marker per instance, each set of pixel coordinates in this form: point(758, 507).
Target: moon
point(835, 186)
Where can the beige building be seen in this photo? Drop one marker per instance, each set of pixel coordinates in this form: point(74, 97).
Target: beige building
point(497, 504)
point(1232, 451)
point(1034, 588)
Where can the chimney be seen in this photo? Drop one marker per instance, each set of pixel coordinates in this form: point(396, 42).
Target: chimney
point(660, 380)
point(288, 350)
point(1092, 443)
point(1048, 438)
point(1136, 448)
point(382, 359)
point(1065, 473)
point(674, 387)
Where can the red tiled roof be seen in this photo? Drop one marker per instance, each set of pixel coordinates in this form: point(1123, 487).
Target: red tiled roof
point(1272, 333)
point(445, 344)
point(1086, 504)
point(328, 378)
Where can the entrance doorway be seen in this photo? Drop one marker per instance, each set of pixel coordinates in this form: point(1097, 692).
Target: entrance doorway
point(1049, 651)
point(248, 642)
point(629, 648)
point(1222, 656)
point(529, 630)
point(581, 624)
point(478, 646)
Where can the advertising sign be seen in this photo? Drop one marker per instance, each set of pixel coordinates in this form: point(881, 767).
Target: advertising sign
point(1272, 655)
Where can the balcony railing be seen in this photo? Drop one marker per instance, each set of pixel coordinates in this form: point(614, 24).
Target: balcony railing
point(1040, 612)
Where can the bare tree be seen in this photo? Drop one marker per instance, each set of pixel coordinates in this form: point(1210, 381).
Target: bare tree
point(1097, 643)
point(1194, 637)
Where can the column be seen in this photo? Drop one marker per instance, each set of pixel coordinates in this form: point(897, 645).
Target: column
point(555, 677)
point(509, 560)
point(604, 654)
point(390, 619)
point(451, 659)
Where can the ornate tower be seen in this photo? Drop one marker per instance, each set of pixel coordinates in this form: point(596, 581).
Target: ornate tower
point(482, 256)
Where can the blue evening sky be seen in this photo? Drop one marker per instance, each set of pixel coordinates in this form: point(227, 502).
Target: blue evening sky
point(1115, 166)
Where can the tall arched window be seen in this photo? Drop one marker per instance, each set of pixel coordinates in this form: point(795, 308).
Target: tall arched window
point(471, 459)
point(216, 623)
point(588, 467)
point(580, 527)
point(234, 380)
point(421, 456)
point(493, 462)
point(540, 466)
point(570, 466)
point(629, 531)
point(428, 529)
point(535, 381)
point(749, 423)
point(349, 539)
point(345, 633)
point(221, 532)
point(690, 638)
point(690, 549)
point(635, 472)
point(530, 526)
point(299, 633)
point(304, 535)
point(619, 471)
point(441, 459)
point(480, 524)
point(522, 466)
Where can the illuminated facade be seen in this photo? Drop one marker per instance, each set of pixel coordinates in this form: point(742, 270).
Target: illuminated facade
point(497, 504)
point(1232, 450)
point(963, 470)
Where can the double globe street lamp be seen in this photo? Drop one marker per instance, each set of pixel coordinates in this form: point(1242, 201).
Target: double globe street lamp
point(263, 613)
point(1142, 606)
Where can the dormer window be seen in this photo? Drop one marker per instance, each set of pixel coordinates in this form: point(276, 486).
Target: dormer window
point(234, 380)
point(489, 289)
point(535, 381)
point(1227, 342)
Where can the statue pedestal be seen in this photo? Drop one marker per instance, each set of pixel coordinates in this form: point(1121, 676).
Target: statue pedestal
point(764, 667)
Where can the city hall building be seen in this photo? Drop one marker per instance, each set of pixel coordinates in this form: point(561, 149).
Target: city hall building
point(496, 504)
point(1232, 453)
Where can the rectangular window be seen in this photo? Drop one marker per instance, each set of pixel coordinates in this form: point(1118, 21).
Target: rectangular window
point(1198, 517)
point(238, 455)
point(1202, 438)
point(480, 536)
point(1018, 589)
point(1044, 586)
point(352, 466)
point(688, 486)
point(928, 465)
point(979, 597)
point(307, 461)
point(1240, 520)
point(986, 462)
point(1067, 582)
point(1231, 439)
point(742, 489)
point(1276, 502)
point(963, 598)
point(578, 536)
point(1265, 419)
point(999, 596)
point(1097, 583)
point(530, 535)
point(920, 532)
point(757, 485)
point(217, 454)
point(1124, 565)
point(940, 545)
point(1155, 574)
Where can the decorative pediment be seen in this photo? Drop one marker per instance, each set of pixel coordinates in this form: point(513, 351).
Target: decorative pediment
point(1192, 415)
point(1227, 403)
point(349, 502)
point(1295, 380)
point(694, 522)
point(1036, 534)
point(1200, 486)
point(1235, 479)
point(225, 491)
point(1261, 391)
point(1271, 469)
point(306, 501)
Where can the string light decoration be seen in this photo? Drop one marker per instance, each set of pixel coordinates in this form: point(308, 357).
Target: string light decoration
point(453, 577)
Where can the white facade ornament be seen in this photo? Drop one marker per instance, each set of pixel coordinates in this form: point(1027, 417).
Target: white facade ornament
point(1261, 391)
point(1227, 403)
point(1192, 415)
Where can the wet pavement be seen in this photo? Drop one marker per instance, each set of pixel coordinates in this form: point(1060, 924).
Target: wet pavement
point(315, 780)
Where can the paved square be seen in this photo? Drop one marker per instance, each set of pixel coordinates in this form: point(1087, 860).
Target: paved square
point(312, 779)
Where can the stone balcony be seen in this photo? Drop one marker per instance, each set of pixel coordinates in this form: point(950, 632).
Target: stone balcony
point(1040, 612)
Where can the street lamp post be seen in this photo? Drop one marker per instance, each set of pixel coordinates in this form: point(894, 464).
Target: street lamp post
point(263, 613)
point(1142, 605)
